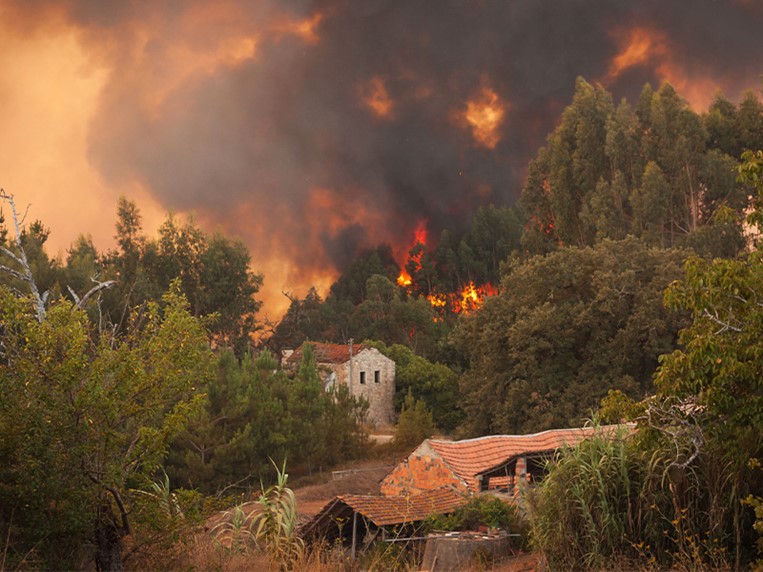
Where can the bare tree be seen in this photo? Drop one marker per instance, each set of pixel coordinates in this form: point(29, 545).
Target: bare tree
point(24, 271)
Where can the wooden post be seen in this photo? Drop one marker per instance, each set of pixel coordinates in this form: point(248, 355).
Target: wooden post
point(354, 532)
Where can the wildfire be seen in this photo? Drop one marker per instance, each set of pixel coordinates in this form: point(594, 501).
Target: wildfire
point(419, 237)
point(644, 46)
point(404, 279)
point(484, 115)
point(641, 47)
point(375, 97)
point(473, 297)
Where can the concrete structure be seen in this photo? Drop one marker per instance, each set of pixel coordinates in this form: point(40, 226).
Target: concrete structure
point(364, 370)
point(496, 462)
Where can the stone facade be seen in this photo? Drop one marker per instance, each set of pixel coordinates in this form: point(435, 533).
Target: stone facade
point(364, 370)
point(370, 374)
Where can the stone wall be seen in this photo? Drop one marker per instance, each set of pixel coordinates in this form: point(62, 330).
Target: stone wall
point(373, 377)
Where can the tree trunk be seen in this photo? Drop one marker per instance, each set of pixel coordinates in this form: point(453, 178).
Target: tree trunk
point(108, 542)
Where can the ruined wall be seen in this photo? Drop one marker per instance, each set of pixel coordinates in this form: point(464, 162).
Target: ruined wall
point(422, 471)
point(373, 377)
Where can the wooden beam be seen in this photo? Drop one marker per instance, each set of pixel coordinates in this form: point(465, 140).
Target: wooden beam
point(354, 532)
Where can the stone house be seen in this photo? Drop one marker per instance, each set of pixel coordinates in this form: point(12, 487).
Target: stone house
point(364, 370)
point(492, 463)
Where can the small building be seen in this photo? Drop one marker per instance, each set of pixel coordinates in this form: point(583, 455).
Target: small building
point(493, 463)
point(357, 521)
point(363, 369)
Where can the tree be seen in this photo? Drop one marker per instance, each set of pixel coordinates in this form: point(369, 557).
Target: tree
point(719, 362)
point(414, 424)
point(84, 418)
point(565, 328)
point(660, 171)
point(435, 384)
point(214, 273)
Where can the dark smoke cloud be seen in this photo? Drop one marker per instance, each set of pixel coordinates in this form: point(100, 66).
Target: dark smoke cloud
point(257, 136)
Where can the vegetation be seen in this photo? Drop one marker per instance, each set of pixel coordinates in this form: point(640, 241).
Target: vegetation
point(566, 328)
point(256, 411)
point(481, 511)
point(676, 493)
point(86, 417)
point(415, 423)
point(117, 366)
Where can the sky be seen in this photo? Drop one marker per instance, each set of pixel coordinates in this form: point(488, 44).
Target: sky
point(312, 130)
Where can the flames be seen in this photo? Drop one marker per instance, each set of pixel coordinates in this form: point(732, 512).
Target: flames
point(484, 115)
point(642, 46)
point(470, 298)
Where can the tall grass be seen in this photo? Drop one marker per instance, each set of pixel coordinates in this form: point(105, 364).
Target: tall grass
point(615, 500)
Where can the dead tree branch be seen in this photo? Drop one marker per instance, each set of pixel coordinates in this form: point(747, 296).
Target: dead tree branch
point(20, 258)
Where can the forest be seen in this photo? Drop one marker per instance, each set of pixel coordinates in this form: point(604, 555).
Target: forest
point(625, 284)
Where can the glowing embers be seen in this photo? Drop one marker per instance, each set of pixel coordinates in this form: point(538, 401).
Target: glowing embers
point(484, 115)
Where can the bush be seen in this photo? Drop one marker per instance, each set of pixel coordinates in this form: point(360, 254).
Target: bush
point(483, 510)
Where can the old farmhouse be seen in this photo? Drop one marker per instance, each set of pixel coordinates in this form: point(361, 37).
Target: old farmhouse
point(364, 370)
point(495, 462)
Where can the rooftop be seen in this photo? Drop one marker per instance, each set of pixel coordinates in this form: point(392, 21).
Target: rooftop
point(384, 511)
point(471, 457)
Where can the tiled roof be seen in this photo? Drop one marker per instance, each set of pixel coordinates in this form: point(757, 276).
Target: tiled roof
point(383, 511)
point(471, 457)
point(327, 353)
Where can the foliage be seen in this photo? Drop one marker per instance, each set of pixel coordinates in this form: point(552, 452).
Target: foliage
point(275, 525)
point(565, 329)
point(213, 271)
point(482, 510)
point(414, 424)
point(658, 171)
point(615, 499)
point(86, 417)
point(675, 493)
point(433, 383)
point(255, 411)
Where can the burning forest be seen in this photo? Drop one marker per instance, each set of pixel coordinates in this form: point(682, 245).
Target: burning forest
point(316, 130)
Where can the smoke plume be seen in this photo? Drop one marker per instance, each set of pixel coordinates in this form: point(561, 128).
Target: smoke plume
point(315, 129)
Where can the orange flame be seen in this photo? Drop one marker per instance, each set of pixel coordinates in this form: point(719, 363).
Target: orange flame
point(484, 114)
point(305, 29)
point(404, 279)
point(419, 237)
point(641, 47)
point(645, 46)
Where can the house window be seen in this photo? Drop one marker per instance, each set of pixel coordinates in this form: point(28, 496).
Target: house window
point(376, 376)
point(362, 377)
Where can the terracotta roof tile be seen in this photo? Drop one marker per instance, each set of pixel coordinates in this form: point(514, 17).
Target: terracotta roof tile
point(327, 353)
point(471, 457)
point(384, 511)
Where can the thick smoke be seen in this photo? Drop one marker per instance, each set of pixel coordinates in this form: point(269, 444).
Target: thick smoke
point(256, 115)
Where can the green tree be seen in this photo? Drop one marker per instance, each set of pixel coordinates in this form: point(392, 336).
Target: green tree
point(83, 419)
point(719, 362)
point(414, 424)
point(433, 383)
point(565, 329)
